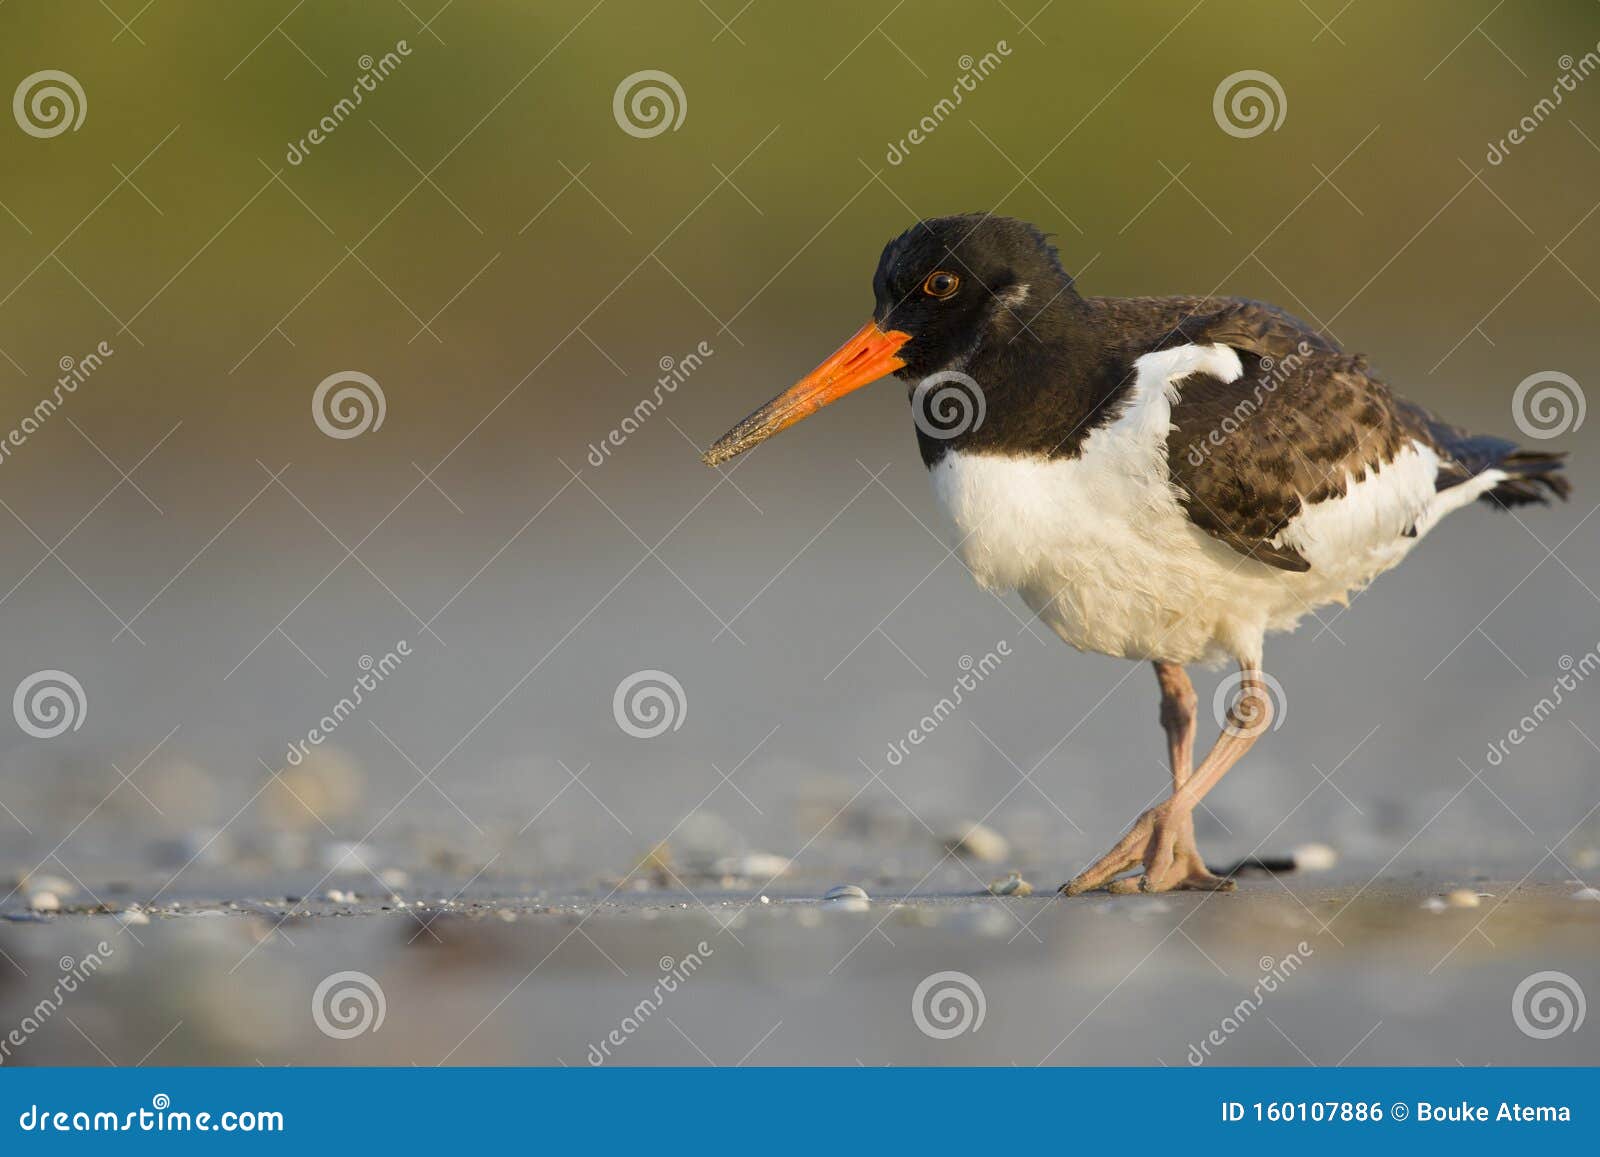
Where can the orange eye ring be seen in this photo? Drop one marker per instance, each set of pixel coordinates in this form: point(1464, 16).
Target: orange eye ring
point(941, 284)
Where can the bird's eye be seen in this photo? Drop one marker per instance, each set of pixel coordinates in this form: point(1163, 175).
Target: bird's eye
point(940, 284)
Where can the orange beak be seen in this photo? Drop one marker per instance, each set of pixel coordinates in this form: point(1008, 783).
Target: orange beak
point(866, 357)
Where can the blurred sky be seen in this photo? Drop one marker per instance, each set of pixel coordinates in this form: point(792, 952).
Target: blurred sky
point(483, 239)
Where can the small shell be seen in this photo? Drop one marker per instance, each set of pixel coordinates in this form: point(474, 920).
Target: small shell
point(847, 898)
point(1462, 898)
point(1314, 858)
point(978, 842)
point(1010, 885)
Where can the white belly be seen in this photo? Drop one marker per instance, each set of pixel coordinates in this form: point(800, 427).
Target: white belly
point(1100, 548)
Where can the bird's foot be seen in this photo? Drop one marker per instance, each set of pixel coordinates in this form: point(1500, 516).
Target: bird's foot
point(1161, 841)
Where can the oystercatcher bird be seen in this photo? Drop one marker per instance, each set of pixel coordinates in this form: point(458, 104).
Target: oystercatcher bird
point(1160, 478)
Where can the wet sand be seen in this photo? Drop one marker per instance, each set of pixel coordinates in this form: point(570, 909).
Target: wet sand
point(1350, 966)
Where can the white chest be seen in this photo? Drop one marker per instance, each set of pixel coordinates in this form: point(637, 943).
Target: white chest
point(1105, 556)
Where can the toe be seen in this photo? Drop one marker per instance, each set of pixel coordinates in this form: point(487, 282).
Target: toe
point(1206, 882)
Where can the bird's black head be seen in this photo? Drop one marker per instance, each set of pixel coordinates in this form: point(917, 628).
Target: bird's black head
point(956, 283)
point(945, 289)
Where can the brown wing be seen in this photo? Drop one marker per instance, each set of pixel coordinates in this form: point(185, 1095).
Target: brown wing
point(1301, 422)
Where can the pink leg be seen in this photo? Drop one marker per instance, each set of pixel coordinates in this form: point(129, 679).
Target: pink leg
point(1162, 839)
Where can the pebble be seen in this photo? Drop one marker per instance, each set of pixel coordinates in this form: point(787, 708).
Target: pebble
point(753, 865)
point(978, 842)
point(848, 898)
point(1314, 857)
point(132, 917)
point(1587, 894)
point(336, 896)
point(44, 902)
point(52, 884)
point(1010, 885)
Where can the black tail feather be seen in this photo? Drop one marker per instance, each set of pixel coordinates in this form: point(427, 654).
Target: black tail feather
point(1536, 476)
point(1532, 476)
